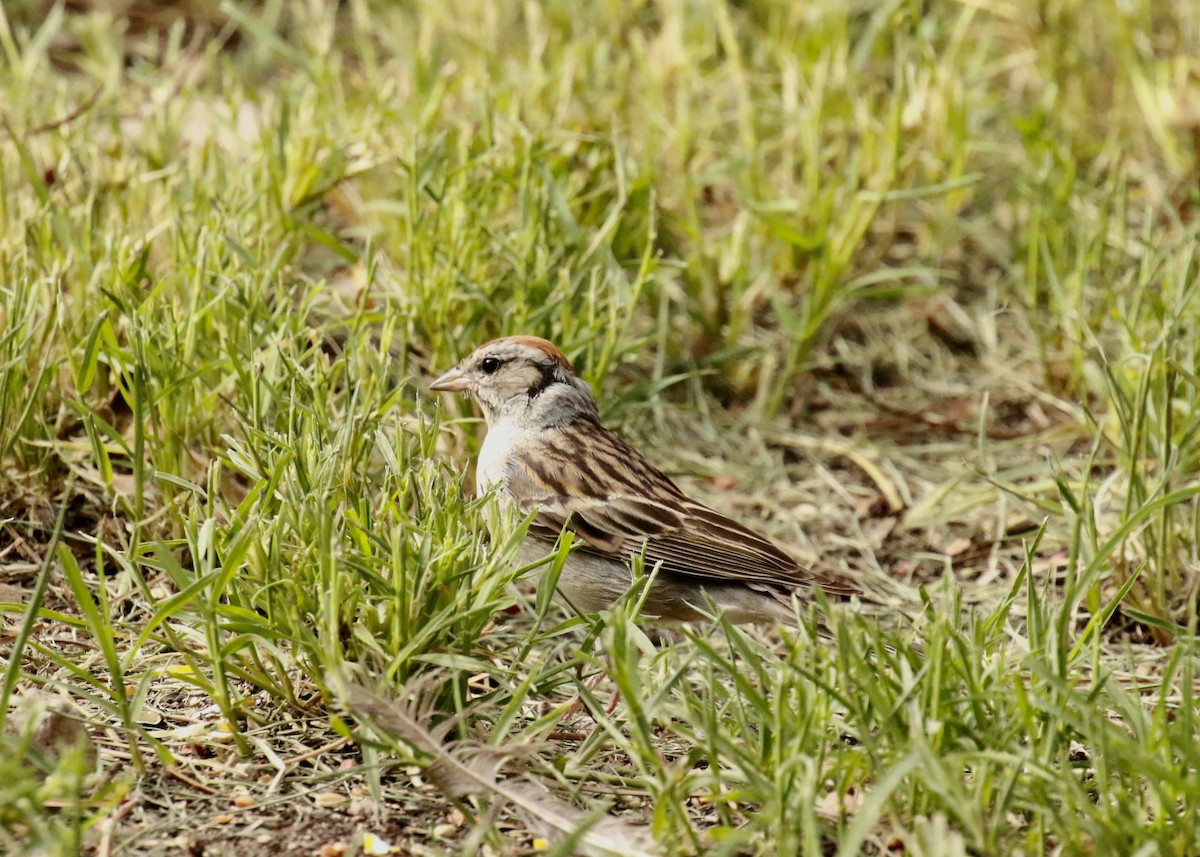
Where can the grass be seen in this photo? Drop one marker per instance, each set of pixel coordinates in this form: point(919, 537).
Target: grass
point(910, 287)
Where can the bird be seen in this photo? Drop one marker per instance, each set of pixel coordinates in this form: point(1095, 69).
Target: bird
point(547, 451)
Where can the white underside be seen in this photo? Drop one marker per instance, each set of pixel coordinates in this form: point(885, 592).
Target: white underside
point(502, 440)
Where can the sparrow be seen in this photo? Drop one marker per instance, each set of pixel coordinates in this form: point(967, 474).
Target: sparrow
point(546, 450)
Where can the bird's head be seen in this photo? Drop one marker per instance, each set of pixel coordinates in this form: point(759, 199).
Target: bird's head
point(520, 376)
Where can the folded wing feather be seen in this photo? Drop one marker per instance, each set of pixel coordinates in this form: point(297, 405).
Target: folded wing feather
point(686, 537)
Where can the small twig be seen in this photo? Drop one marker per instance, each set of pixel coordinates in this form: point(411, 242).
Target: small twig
point(320, 751)
point(110, 825)
point(174, 771)
point(84, 107)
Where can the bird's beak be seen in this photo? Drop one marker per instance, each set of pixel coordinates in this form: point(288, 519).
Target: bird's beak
point(454, 381)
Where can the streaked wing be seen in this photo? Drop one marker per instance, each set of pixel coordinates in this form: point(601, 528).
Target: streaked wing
point(615, 501)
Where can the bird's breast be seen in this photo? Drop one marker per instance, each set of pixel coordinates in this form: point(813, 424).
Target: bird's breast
point(498, 448)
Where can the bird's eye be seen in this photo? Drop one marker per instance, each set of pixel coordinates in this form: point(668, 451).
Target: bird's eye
point(489, 365)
